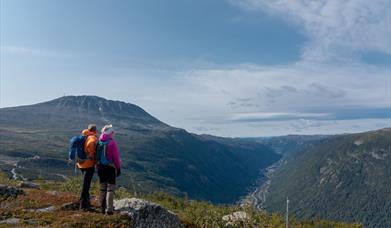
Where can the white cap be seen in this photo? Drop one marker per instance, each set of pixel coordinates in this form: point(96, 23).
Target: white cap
point(107, 129)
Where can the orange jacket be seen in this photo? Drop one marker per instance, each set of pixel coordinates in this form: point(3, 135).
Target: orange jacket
point(89, 148)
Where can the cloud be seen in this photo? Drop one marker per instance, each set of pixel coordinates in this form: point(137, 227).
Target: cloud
point(338, 30)
point(328, 91)
point(267, 116)
point(248, 99)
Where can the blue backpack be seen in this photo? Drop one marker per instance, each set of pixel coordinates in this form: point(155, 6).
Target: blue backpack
point(76, 149)
point(101, 153)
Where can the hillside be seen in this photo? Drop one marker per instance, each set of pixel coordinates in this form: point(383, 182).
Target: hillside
point(54, 204)
point(155, 156)
point(345, 177)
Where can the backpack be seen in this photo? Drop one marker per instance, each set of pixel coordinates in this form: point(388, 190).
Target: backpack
point(101, 153)
point(76, 149)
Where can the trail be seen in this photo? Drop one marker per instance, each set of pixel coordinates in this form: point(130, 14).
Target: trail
point(14, 162)
point(14, 174)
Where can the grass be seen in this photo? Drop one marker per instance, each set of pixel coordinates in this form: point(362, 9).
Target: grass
point(191, 213)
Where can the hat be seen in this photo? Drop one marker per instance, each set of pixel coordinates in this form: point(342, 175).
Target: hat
point(108, 129)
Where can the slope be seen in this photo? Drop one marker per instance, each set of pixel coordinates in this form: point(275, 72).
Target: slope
point(345, 177)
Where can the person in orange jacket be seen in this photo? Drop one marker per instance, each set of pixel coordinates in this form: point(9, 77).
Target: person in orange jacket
point(87, 167)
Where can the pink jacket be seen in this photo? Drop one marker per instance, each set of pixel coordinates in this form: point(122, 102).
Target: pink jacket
point(112, 150)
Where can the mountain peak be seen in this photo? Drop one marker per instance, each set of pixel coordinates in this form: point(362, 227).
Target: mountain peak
point(86, 100)
point(78, 110)
point(99, 105)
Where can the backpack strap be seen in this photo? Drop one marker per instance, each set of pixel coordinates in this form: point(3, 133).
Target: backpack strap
point(88, 157)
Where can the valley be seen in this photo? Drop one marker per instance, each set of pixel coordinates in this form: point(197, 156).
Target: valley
point(336, 177)
point(155, 156)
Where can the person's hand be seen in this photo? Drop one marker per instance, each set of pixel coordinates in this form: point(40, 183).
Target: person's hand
point(118, 172)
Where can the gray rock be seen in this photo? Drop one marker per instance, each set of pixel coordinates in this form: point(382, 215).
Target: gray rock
point(11, 221)
point(53, 193)
point(45, 209)
point(236, 217)
point(28, 184)
point(31, 222)
point(9, 191)
point(146, 214)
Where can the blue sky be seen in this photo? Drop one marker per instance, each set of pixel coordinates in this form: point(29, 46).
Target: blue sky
point(224, 67)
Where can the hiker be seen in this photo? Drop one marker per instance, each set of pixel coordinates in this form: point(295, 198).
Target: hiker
point(87, 166)
point(109, 168)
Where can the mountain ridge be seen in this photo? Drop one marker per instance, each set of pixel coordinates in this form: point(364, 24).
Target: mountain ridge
point(345, 177)
point(155, 155)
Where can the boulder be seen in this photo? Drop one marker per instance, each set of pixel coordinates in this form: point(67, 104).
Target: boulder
point(146, 214)
point(9, 192)
point(234, 218)
point(28, 184)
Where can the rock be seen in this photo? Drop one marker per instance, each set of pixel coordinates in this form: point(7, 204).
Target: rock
point(238, 216)
point(70, 206)
point(146, 214)
point(45, 209)
point(9, 191)
point(53, 193)
point(28, 184)
point(11, 221)
point(33, 222)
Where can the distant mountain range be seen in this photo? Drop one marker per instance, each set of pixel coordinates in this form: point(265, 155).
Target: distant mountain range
point(344, 177)
point(290, 145)
point(34, 143)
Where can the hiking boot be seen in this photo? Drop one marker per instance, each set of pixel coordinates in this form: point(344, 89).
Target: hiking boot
point(83, 205)
point(109, 213)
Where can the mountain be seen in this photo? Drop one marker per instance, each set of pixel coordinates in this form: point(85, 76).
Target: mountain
point(344, 177)
point(290, 144)
point(155, 156)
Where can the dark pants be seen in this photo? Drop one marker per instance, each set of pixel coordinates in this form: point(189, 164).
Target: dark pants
point(88, 173)
point(107, 177)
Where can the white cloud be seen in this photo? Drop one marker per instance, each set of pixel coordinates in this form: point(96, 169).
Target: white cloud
point(249, 100)
point(220, 100)
point(337, 30)
point(256, 117)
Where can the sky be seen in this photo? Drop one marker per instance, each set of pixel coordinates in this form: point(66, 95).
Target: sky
point(238, 68)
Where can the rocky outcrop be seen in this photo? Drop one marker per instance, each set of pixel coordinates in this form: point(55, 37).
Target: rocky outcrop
point(9, 192)
point(146, 214)
point(235, 218)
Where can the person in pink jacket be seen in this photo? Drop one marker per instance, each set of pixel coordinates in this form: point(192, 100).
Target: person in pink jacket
point(109, 168)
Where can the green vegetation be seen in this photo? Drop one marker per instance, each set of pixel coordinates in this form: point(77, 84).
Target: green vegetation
point(191, 213)
point(5, 180)
point(346, 177)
